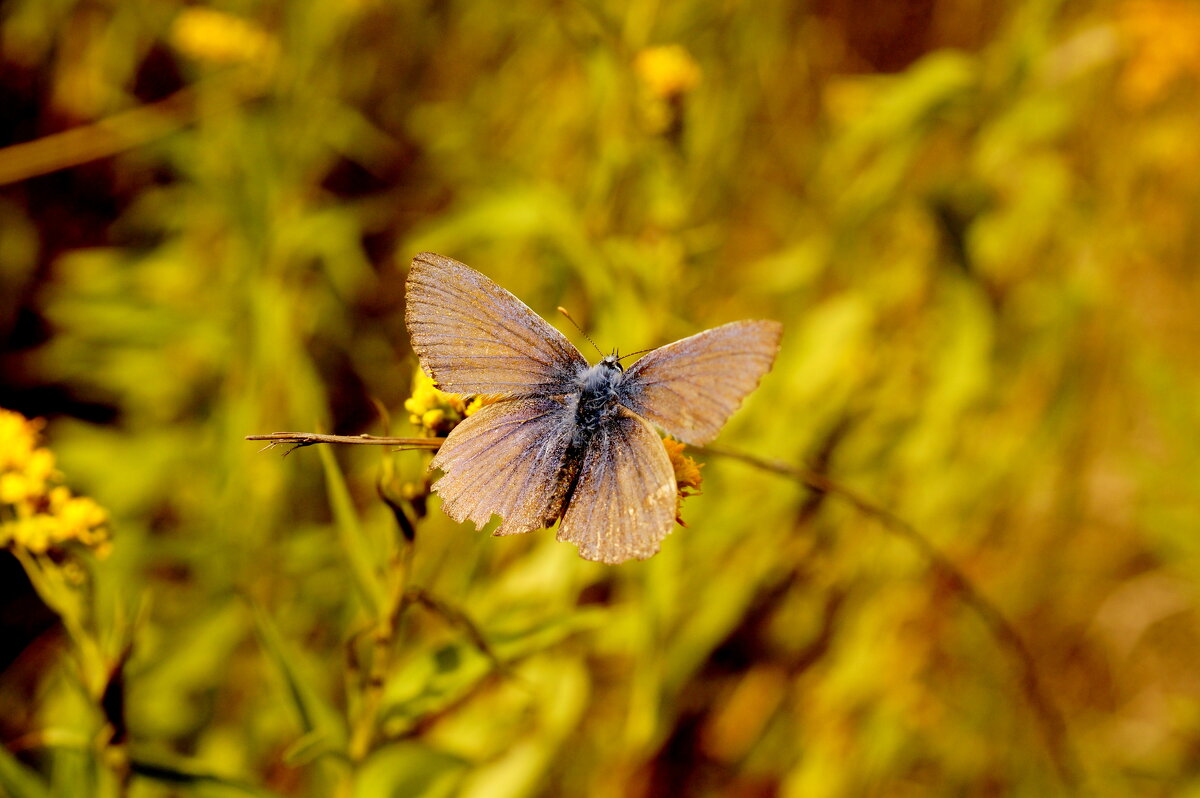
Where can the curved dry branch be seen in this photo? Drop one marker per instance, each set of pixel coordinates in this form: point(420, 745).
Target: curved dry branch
point(1050, 720)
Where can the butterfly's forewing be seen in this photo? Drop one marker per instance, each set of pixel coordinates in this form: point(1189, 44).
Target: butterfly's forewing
point(472, 336)
point(691, 387)
point(505, 460)
point(624, 500)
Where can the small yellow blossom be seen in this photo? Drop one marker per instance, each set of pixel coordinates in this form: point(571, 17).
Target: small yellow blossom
point(434, 419)
point(667, 70)
point(437, 412)
point(13, 488)
point(434, 411)
point(666, 73)
point(481, 400)
point(218, 38)
point(40, 467)
point(18, 440)
point(37, 514)
point(687, 474)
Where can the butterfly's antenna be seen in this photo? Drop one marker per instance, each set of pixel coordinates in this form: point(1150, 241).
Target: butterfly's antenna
point(631, 354)
point(563, 311)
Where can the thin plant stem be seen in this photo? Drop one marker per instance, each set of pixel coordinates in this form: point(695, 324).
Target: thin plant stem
point(1050, 720)
point(299, 439)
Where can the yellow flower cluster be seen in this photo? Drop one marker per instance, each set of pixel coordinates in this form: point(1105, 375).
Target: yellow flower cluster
point(437, 412)
point(37, 513)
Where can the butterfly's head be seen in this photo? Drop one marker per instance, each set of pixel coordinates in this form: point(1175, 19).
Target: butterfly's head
point(612, 361)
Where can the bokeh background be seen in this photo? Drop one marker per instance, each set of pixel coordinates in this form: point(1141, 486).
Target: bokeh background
point(977, 222)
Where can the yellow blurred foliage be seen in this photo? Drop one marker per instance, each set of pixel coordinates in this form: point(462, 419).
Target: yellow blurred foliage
point(957, 555)
point(1162, 39)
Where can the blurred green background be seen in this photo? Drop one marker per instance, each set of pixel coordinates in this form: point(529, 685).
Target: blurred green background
point(977, 221)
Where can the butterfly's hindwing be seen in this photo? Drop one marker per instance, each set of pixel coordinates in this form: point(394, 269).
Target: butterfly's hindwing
point(507, 459)
point(623, 503)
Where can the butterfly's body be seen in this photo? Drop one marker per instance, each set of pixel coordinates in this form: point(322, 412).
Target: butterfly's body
point(599, 398)
point(567, 441)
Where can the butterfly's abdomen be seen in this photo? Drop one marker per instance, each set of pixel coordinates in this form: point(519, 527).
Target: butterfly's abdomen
point(595, 402)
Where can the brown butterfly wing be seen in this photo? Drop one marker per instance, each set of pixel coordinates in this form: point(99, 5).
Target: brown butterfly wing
point(473, 337)
point(690, 388)
point(624, 501)
point(505, 459)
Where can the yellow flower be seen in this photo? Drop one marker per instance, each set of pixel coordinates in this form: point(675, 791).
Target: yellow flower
point(437, 412)
point(32, 534)
point(434, 419)
point(687, 474)
point(667, 70)
point(80, 518)
point(434, 411)
point(666, 73)
point(37, 513)
point(40, 467)
point(13, 488)
point(213, 36)
point(18, 440)
point(479, 401)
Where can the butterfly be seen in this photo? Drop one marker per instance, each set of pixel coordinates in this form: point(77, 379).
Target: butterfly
point(568, 441)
